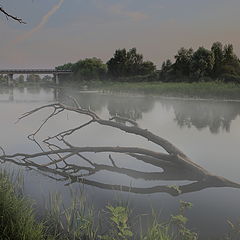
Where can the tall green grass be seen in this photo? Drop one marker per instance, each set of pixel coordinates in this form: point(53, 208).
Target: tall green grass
point(72, 222)
point(77, 221)
point(17, 220)
point(212, 90)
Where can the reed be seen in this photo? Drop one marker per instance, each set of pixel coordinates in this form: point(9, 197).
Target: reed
point(79, 221)
point(17, 219)
point(208, 90)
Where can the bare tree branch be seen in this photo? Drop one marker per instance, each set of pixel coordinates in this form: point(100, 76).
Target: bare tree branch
point(8, 15)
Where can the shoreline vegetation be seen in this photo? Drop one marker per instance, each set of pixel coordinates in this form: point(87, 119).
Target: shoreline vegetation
point(17, 220)
point(220, 63)
point(202, 73)
point(197, 90)
point(202, 90)
point(77, 222)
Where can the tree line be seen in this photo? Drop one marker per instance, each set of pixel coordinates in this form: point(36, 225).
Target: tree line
point(123, 66)
point(30, 78)
point(218, 63)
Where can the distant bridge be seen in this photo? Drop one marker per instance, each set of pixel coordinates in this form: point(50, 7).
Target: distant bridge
point(34, 71)
point(56, 73)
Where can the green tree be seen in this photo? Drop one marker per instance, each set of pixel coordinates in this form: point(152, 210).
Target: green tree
point(202, 63)
point(47, 78)
point(147, 67)
point(134, 62)
point(128, 64)
point(67, 66)
point(3, 79)
point(217, 50)
point(33, 78)
point(90, 69)
point(183, 62)
point(231, 63)
point(166, 70)
point(20, 79)
point(230, 57)
point(118, 63)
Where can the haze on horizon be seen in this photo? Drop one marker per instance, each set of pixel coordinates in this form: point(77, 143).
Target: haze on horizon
point(60, 31)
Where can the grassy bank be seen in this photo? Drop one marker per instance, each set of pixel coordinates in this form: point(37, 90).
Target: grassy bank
point(179, 89)
point(208, 90)
point(17, 220)
point(76, 222)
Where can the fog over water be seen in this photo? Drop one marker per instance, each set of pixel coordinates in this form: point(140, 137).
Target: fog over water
point(205, 130)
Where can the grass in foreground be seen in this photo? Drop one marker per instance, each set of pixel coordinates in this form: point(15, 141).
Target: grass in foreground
point(17, 220)
point(76, 222)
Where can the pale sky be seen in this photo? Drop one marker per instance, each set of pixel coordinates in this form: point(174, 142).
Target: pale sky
point(61, 31)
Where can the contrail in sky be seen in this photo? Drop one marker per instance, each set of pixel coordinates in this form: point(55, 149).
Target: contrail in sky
point(40, 25)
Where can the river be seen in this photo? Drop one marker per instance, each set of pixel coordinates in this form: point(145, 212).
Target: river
point(206, 130)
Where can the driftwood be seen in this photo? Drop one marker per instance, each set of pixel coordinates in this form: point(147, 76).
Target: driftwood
point(174, 163)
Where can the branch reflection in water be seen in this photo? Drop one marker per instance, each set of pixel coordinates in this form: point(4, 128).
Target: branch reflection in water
point(64, 160)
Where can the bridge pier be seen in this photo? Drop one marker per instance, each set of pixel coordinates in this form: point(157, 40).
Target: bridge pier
point(11, 96)
point(56, 94)
point(10, 80)
point(56, 78)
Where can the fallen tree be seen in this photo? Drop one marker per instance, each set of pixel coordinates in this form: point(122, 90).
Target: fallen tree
point(174, 163)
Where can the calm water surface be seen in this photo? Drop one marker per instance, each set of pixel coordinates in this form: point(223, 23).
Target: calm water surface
point(207, 131)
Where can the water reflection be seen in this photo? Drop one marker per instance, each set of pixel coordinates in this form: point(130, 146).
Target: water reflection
point(7, 92)
point(33, 90)
point(216, 153)
point(130, 108)
point(70, 173)
point(214, 115)
point(172, 164)
point(124, 106)
point(30, 93)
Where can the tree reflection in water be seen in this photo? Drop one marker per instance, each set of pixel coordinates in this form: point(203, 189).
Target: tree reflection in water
point(66, 162)
point(211, 114)
point(201, 114)
point(215, 115)
point(127, 107)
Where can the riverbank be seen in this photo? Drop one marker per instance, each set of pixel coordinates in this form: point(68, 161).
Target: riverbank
point(197, 90)
point(19, 222)
point(207, 90)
